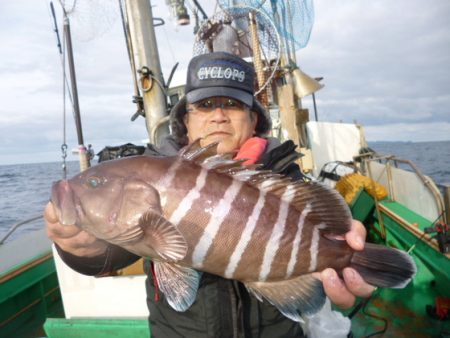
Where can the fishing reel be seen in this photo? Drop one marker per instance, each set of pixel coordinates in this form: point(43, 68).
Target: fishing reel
point(442, 231)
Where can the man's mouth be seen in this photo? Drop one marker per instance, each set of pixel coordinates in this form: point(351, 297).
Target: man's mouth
point(218, 133)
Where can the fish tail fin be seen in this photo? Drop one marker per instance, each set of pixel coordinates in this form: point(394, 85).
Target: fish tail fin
point(383, 266)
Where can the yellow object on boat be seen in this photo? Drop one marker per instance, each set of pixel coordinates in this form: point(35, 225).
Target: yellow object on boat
point(349, 185)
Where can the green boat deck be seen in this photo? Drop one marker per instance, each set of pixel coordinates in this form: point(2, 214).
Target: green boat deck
point(97, 328)
point(402, 312)
point(29, 293)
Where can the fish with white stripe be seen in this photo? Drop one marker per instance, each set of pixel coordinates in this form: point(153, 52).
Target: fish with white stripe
point(203, 211)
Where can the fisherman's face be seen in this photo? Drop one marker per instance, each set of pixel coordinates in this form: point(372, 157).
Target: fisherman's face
point(220, 119)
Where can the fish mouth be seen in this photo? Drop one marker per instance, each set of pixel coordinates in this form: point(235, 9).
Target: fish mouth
point(64, 202)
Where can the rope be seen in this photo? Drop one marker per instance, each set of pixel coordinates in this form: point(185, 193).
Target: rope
point(65, 84)
point(169, 45)
point(17, 225)
point(64, 136)
point(258, 64)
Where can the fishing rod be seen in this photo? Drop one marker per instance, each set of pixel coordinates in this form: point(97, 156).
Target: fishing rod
point(65, 86)
point(137, 98)
point(82, 151)
point(84, 156)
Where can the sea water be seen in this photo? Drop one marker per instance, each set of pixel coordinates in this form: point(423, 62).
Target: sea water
point(25, 188)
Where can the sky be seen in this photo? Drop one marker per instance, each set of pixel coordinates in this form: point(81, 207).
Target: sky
point(385, 64)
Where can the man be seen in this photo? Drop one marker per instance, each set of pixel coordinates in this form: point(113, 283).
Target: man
point(219, 106)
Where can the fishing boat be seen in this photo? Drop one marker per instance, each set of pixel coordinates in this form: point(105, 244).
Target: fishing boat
point(400, 207)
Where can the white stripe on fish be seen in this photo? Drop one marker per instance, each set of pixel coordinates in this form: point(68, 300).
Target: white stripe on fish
point(246, 236)
point(218, 215)
point(297, 241)
point(166, 181)
point(186, 203)
point(277, 233)
point(314, 248)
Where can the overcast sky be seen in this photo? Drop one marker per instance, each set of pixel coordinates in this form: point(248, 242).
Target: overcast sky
point(386, 64)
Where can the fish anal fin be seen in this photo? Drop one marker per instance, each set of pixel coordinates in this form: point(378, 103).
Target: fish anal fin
point(303, 295)
point(178, 283)
point(162, 236)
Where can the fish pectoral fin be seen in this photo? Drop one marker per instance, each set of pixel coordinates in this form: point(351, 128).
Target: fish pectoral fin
point(178, 283)
point(162, 236)
point(303, 295)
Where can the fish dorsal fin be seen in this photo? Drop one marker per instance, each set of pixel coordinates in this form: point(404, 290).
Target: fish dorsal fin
point(162, 236)
point(222, 163)
point(196, 153)
point(326, 206)
point(296, 297)
point(188, 150)
point(178, 283)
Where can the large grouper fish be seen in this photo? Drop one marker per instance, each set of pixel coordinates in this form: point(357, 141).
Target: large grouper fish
point(203, 211)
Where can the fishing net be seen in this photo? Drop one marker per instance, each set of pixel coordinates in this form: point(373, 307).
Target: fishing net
point(91, 19)
point(231, 31)
point(293, 18)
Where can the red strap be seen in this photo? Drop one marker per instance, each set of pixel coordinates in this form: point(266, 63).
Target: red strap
point(155, 282)
point(252, 150)
point(442, 307)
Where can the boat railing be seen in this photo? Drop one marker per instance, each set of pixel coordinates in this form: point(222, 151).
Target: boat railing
point(442, 204)
point(17, 226)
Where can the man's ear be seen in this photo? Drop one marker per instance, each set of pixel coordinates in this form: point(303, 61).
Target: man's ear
point(254, 118)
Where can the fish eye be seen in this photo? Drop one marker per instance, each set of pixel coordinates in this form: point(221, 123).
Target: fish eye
point(94, 182)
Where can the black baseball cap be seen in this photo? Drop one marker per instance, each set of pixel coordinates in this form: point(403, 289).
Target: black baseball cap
point(219, 74)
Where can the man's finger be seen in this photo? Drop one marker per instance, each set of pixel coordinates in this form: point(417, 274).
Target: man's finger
point(356, 284)
point(56, 230)
point(49, 213)
point(336, 290)
point(83, 244)
point(356, 236)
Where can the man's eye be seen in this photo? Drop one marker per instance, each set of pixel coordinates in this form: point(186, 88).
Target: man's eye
point(206, 104)
point(94, 182)
point(231, 103)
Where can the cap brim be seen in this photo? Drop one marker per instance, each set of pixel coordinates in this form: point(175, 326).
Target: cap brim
point(203, 93)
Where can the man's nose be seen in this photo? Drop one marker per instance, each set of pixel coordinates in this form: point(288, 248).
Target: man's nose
point(219, 115)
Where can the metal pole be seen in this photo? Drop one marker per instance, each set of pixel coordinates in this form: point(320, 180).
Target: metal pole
point(447, 202)
point(315, 107)
point(82, 152)
point(146, 55)
point(318, 79)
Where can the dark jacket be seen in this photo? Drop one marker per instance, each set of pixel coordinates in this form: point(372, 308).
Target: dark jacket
point(223, 308)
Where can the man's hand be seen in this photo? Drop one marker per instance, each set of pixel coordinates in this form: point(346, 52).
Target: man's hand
point(343, 292)
point(71, 238)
